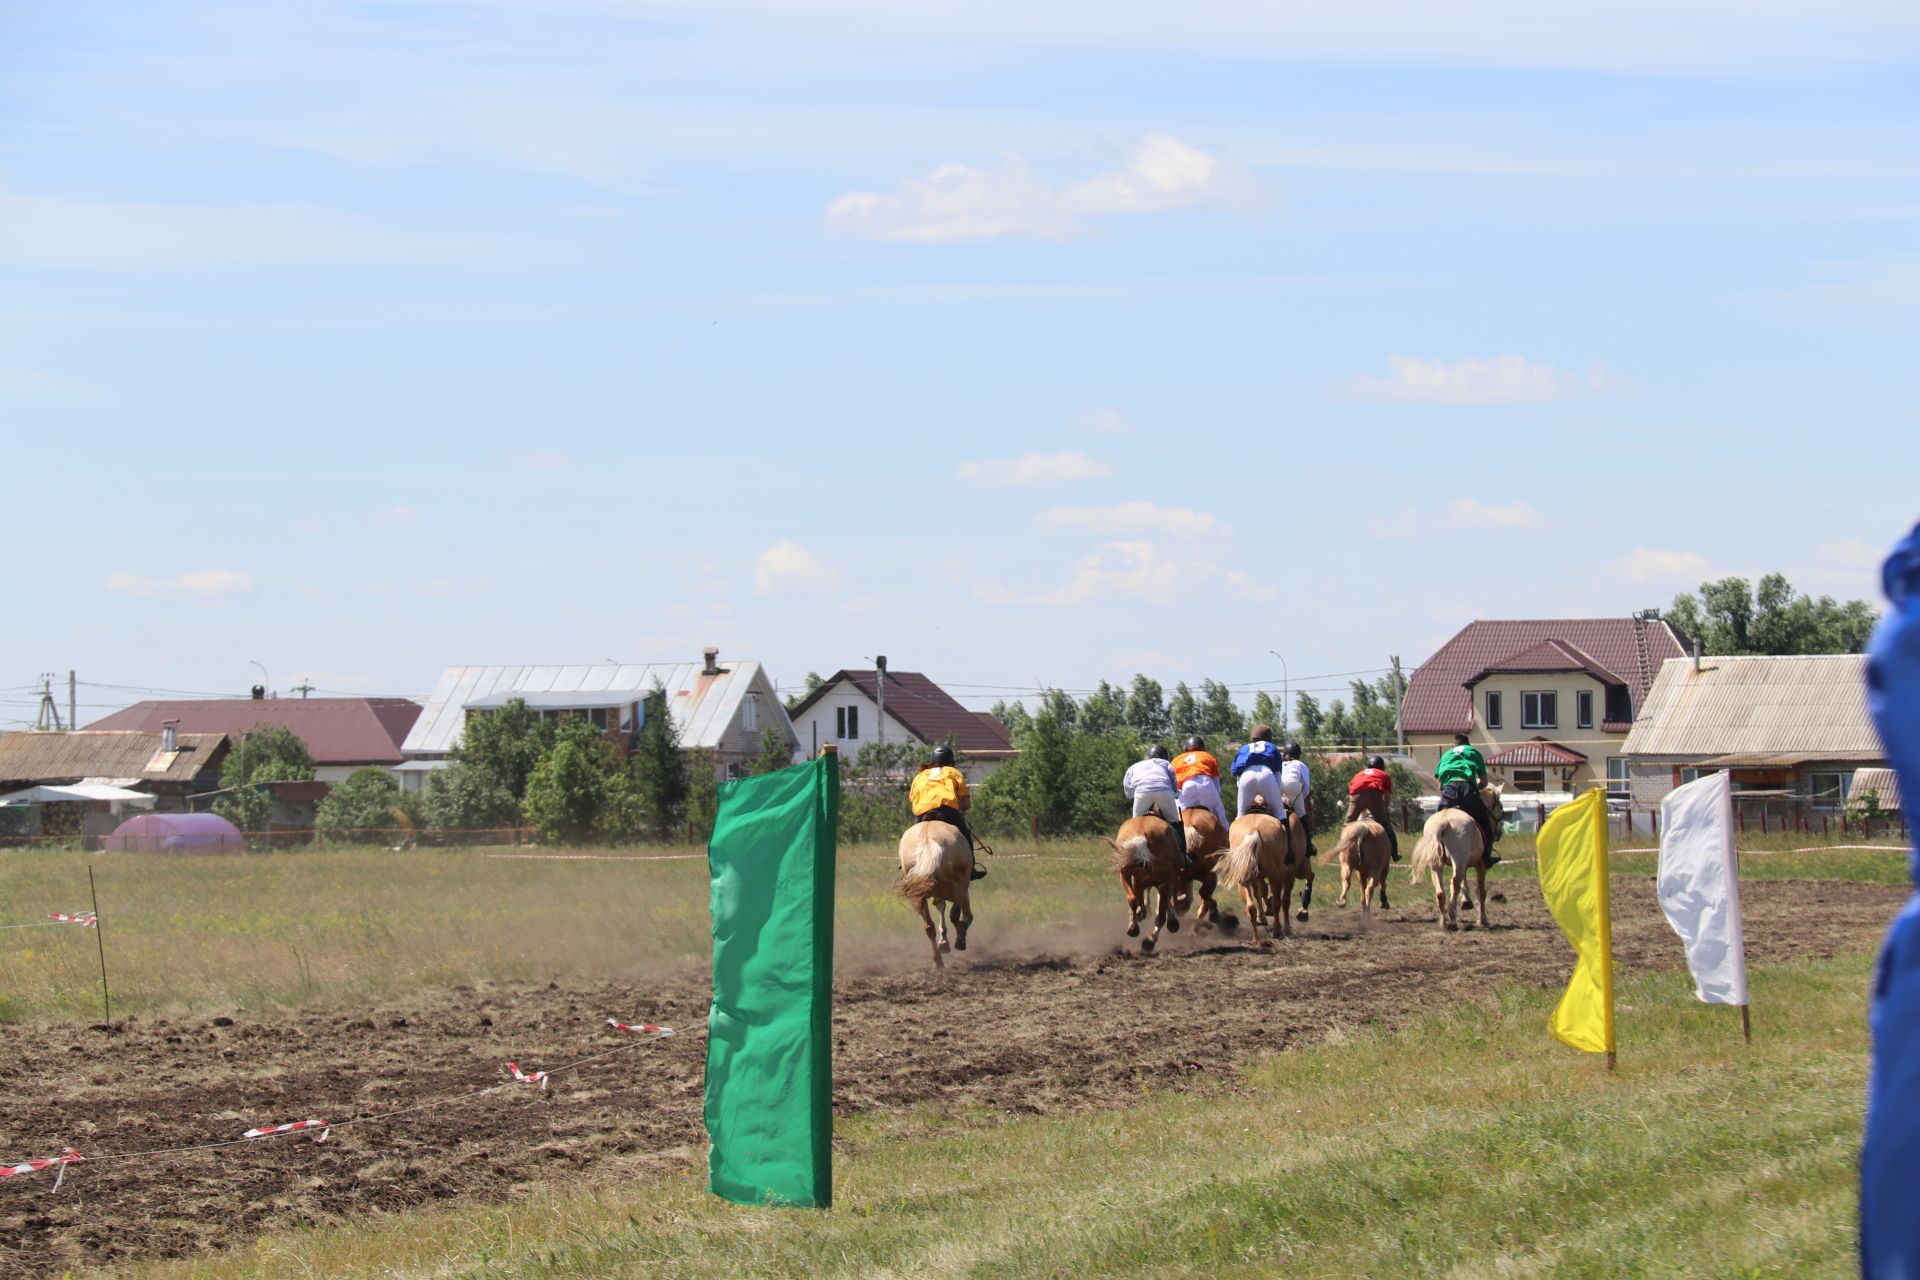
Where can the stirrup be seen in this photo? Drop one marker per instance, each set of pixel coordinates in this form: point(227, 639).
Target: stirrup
point(979, 873)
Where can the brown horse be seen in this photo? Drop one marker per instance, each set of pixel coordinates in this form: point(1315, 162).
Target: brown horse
point(1451, 841)
point(1147, 861)
point(1206, 841)
point(1259, 863)
point(1363, 850)
point(935, 866)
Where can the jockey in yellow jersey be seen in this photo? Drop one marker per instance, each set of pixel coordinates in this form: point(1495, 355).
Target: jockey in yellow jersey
point(939, 794)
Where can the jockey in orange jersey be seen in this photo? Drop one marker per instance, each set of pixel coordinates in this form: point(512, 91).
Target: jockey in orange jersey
point(1197, 774)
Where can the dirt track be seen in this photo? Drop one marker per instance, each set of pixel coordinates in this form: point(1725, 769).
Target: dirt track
point(1039, 1033)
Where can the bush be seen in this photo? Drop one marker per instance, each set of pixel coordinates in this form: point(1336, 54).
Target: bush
point(368, 802)
point(461, 797)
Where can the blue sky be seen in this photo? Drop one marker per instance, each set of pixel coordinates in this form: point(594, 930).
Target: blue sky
point(1020, 343)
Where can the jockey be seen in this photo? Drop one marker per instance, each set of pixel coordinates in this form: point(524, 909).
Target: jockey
point(1368, 793)
point(1198, 774)
point(1149, 784)
point(939, 794)
point(1296, 784)
point(1256, 767)
point(1462, 771)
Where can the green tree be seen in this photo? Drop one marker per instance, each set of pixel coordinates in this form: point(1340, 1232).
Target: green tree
point(1146, 712)
point(1219, 716)
point(369, 805)
point(873, 790)
point(1063, 707)
point(1372, 713)
point(703, 792)
point(266, 753)
point(1266, 710)
point(1095, 765)
point(1035, 789)
point(579, 789)
point(1183, 712)
point(1338, 729)
point(776, 752)
point(1313, 721)
point(814, 681)
point(1734, 617)
point(505, 744)
point(1014, 717)
point(660, 777)
point(1104, 710)
point(462, 798)
point(1330, 789)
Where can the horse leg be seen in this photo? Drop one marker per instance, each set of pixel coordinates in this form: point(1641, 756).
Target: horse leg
point(1159, 915)
point(962, 916)
point(943, 924)
point(1170, 893)
point(1346, 879)
point(1480, 887)
point(1381, 881)
point(927, 920)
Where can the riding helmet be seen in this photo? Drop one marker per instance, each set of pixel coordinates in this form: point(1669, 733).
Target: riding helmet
point(1293, 751)
point(943, 754)
point(1196, 743)
point(1378, 762)
point(1156, 752)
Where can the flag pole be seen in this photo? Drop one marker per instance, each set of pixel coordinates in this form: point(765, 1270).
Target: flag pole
point(99, 937)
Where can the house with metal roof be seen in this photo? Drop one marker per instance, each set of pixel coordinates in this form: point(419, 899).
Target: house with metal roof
point(1793, 729)
point(723, 709)
point(854, 708)
point(1548, 701)
point(341, 734)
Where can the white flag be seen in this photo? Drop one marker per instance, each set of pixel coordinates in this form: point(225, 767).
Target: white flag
point(1700, 886)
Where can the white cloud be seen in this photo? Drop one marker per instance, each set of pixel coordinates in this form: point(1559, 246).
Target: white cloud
point(788, 566)
point(1499, 380)
point(201, 582)
point(1647, 564)
point(394, 517)
point(1133, 570)
point(1493, 515)
point(1105, 421)
point(1126, 518)
point(1031, 470)
point(961, 202)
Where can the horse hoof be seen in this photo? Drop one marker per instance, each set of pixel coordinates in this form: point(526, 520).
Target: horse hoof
point(1146, 946)
point(1133, 931)
point(943, 946)
point(1173, 924)
point(1449, 926)
point(959, 944)
point(1229, 922)
point(1301, 916)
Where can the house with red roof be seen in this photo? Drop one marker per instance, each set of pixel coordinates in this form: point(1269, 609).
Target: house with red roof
point(342, 734)
point(1549, 701)
point(852, 709)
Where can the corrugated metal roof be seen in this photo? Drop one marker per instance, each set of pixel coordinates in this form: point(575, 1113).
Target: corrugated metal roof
point(702, 706)
point(1438, 701)
point(1883, 784)
point(337, 731)
point(88, 753)
point(1750, 709)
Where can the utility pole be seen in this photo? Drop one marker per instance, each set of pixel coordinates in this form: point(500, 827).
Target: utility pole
point(1399, 693)
point(73, 701)
point(1286, 693)
point(49, 717)
point(304, 688)
point(880, 686)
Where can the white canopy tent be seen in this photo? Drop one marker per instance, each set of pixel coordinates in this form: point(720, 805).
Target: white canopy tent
point(119, 797)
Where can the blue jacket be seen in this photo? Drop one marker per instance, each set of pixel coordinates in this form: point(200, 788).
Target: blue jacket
point(1890, 1157)
point(1264, 754)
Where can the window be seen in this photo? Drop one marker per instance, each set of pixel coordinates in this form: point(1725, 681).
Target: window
point(600, 716)
point(1619, 704)
point(1828, 790)
point(1493, 711)
point(1531, 780)
point(1618, 785)
point(750, 713)
point(847, 722)
point(1583, 707)
point(1690, 773)
point(1540, 710)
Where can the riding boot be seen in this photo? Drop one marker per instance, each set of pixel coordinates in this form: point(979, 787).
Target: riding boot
point(979, 872)
point(1180, 839)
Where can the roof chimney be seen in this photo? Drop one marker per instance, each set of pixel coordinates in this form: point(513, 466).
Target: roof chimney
point(1698, 648)
point(170, 736)
point(259, 692)
point(712, 656)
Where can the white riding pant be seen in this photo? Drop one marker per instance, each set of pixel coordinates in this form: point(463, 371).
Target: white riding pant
point(1161, 804)
point(1261, 781)
point(1294, 793)
point(1204, 793)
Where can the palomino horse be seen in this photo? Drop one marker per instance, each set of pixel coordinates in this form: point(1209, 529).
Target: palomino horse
point(936, 867)
point(1451, 840)
point(1148, 861)
point(1260, 863)
point(1363, 851)
point(1206, 841)
point(1300, 843)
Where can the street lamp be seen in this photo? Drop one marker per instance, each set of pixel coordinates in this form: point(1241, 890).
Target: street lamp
point(1286, 695)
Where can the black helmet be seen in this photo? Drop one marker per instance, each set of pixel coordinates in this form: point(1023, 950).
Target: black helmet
point(1196, 743)
point(1261, 733)
point(1156, 752)
point(1293, 751)
point(1378, 762)
point(943, 754)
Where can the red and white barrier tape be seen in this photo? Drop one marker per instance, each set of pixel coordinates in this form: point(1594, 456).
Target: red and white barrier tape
point(86, 918)
point(69, 1156)
point(538, 1077)
point(295, 1127)
point(639, 1028)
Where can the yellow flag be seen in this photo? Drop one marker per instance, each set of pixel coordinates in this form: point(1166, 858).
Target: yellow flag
point(1572, 855)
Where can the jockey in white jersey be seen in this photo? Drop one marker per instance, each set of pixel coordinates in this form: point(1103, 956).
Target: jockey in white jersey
point(1296, 784)
point(1149, 784)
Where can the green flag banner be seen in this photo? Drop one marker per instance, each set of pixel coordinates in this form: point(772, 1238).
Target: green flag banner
point(769, 1104)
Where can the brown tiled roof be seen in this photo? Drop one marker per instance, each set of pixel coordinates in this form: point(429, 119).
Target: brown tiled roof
point(27, 759)
point(927, 709)
point(1535, 752)
point(337, 731)
point(1548, 655)
point(1438, 700)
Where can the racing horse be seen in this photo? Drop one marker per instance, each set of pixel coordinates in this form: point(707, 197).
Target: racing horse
point(935, 866)
point(1363, 851)
point(1260, 862)
point(1451, 840)
point(1147, 861)
point(1206, 841)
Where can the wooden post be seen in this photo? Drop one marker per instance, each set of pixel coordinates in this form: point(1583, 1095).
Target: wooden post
point(830, 750)
point(1746, 1024)
point(1653, 816)
point(1613, 1063)
point(100, 938)
point(1763, 817)
point(1823, 826)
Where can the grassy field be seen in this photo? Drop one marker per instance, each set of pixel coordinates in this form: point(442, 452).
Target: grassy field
point(1466, 1145)
point(330, 928)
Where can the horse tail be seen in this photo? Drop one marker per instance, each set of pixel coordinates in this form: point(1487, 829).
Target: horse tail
point(1241, 867)
point(1348, 834)
point(922, 880)
point(1427, 855)
point(1136, 852)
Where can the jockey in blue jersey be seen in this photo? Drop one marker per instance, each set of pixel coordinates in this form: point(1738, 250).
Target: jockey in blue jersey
point(1256, 768)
